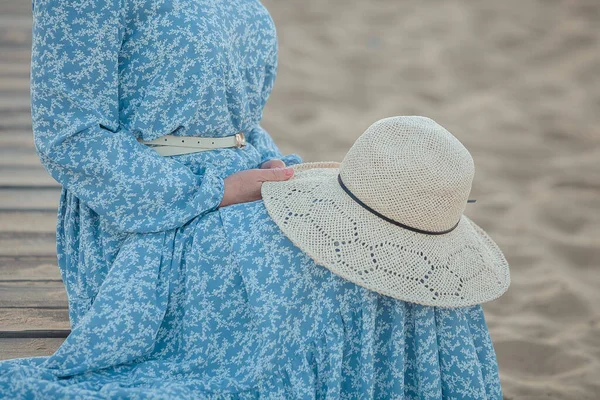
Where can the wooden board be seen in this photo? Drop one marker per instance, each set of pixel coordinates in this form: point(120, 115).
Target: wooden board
point(9, 69)
point(19, 176)
point(21, 55)
point(33, 294)
point(14, 84)
point(23, 319)
point(29, 268)
point(29, 198)
point(13, 156)
point(28, 221)
point(12, 100)
point(27, 244)
point(19, 348)
point(15, 13)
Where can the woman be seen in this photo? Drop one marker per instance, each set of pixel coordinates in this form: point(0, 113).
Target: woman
point(159, 303)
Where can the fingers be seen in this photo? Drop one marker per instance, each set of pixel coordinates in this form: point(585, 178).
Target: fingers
point(277, 174)
point(274, 163)
point(245, 186)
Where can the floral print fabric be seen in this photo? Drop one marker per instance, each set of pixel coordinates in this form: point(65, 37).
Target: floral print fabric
point(169, 296)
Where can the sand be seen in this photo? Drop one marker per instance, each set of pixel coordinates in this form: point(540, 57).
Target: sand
point(519, 84)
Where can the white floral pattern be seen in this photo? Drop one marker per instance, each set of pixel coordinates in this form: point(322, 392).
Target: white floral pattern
point(170, 296)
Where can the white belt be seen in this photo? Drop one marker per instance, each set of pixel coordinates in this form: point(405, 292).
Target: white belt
point(169, 145)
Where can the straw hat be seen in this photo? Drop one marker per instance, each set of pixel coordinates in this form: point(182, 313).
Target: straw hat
point(390, 216)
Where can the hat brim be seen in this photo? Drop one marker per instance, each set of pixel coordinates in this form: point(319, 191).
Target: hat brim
point(461, 268)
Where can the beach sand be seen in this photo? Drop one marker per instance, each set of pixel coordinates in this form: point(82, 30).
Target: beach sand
point(519, 84)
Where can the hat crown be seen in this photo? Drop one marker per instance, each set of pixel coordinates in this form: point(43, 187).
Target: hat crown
point(411, 170)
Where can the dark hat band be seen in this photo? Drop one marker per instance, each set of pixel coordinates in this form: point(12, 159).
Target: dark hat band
point(366, 207)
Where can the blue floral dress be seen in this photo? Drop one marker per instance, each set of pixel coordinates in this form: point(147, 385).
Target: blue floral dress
point(171, 297)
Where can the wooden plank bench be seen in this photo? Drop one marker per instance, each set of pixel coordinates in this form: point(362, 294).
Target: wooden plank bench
point(33, 305)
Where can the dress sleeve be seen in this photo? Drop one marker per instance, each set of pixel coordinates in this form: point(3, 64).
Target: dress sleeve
point(264, 143)
point(77, 133)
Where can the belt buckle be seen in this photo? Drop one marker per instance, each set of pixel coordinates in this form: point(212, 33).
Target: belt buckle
point(240, 140)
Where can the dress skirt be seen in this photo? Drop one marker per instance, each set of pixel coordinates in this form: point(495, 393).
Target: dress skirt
point(226, 307)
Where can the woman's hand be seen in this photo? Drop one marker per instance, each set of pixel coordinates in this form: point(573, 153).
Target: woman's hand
point(244, 186)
